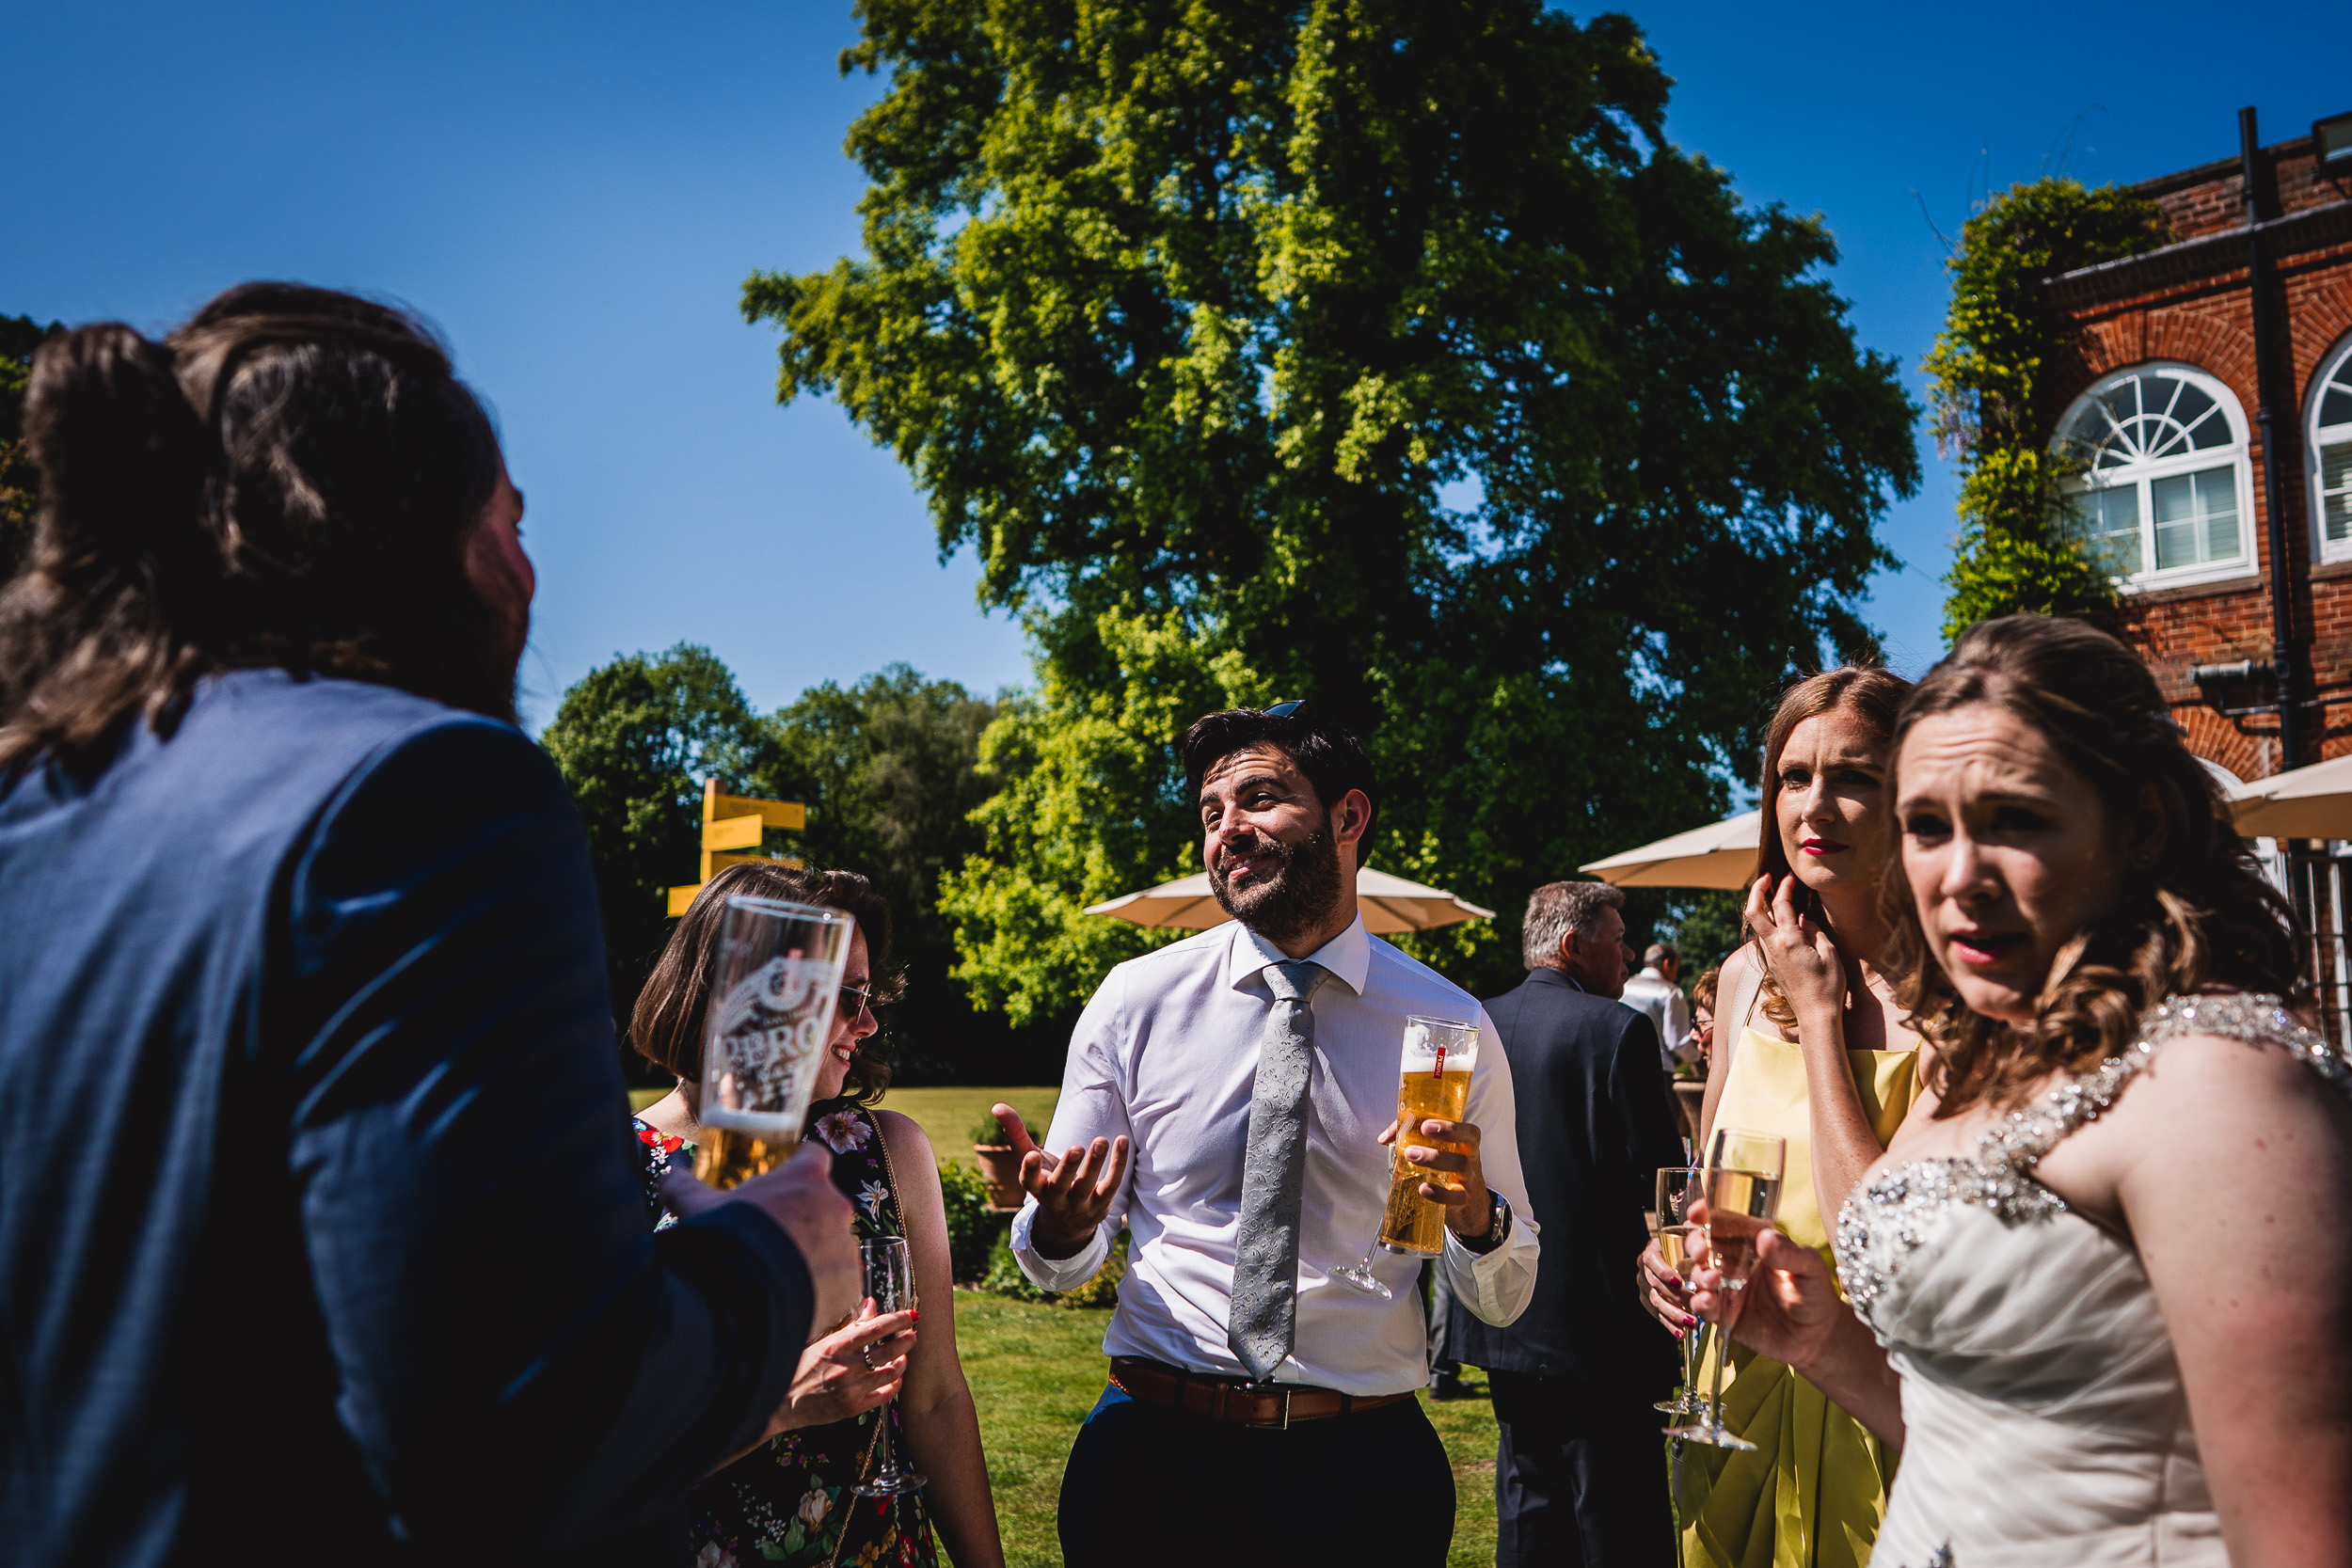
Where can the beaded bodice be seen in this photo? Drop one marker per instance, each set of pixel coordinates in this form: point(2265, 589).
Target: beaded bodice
point(1880, 1228)
point(2045, 1418)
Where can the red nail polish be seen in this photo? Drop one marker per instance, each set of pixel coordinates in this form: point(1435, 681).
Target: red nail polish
point(914, 1315)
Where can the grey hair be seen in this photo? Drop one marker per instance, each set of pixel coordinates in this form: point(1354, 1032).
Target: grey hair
point(1661, 952)
point(1556, 909)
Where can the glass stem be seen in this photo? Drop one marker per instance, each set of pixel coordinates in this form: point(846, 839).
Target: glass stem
point(1722, 1354)
point(1690, 1352)
point(887, 1464)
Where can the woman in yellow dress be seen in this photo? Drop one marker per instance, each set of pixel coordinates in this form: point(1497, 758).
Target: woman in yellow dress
point(1811, 1045)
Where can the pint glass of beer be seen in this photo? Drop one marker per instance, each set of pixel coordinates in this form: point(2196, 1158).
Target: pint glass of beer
point(1433, 1082)
point(775, 982)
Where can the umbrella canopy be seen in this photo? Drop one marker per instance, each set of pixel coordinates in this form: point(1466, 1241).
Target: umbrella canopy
point(2302, 802)
point(1720, 855)
point(1388, 904)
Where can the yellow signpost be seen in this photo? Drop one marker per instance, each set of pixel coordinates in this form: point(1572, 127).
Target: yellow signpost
point(732, 822)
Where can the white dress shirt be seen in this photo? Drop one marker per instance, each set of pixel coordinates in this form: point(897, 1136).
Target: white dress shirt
point(1167, 1053)
point(1663, 999)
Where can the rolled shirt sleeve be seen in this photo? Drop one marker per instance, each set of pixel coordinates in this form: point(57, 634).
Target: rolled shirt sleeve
point(1496, 1286)
point(1092, 1106)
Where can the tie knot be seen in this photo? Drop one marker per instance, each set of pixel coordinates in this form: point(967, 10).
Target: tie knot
point(1294, 981)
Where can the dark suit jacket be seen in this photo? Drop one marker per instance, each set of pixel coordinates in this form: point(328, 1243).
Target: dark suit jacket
point(321, 1236)
point(1594, 1128)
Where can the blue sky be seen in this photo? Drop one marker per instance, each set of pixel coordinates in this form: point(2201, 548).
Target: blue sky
point(574, 193)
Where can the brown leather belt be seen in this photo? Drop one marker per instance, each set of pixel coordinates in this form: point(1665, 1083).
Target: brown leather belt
point(1235, 1402)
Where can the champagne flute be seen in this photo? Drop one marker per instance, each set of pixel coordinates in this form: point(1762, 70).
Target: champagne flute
point(1670, 1226)
point(890, 1281)
point(1432, 1083)
point(1743, 1171)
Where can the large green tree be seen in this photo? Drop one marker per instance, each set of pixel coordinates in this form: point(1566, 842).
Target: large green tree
point(1383, 352)
point(2000, 370)
point(635, 738)
point(19, 337)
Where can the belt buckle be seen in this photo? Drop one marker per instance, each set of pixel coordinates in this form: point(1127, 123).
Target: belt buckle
point(1284, 1388)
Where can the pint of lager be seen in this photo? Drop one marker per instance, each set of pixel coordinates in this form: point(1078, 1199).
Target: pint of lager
point(775, 981)
point(1433, 1082)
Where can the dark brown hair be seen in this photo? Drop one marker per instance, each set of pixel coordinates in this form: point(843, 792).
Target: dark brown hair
point(665, 1028)
point(1873, 695)
point(2200, 916)
point(289, 481)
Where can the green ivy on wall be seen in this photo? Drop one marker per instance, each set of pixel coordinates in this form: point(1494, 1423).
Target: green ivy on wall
point(1997, 401)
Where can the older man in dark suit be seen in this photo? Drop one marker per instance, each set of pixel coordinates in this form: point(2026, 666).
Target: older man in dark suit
point(1582, 1475)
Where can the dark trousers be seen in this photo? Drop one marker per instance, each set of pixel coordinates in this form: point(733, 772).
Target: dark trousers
point(1581, 1481)
point(1148, 1484)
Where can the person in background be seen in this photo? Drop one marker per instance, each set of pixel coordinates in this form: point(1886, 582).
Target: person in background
point(1579, 1478)
point(789, 1500)
point(320, 1238)
point(1702, 1019)
point(1814, 1047)
point(1228, 1100)
point(2098, 1300)
point(1656, 990)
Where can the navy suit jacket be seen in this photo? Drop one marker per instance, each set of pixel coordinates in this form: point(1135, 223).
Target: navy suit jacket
point(1594, 1130)
point(321, 1234)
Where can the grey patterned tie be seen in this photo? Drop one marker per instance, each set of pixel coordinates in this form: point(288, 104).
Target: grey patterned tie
point(1273, 1175)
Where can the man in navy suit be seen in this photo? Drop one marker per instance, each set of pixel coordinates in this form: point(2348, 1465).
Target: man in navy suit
point(321, 1237)
point(1580, 1478)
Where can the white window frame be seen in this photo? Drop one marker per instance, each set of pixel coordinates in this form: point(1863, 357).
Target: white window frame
point(2239, 456)
point(2336, 367)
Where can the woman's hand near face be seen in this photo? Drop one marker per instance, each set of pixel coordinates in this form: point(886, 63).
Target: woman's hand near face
point(1805, 960)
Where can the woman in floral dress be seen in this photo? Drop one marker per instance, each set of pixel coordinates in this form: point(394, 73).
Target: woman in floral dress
point(789, 1500)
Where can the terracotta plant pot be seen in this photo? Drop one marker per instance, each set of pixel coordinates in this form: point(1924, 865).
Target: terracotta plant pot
point(1000, 1168)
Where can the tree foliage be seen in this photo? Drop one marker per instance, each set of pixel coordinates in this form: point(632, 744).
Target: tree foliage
point(1378, 351)
point(19, 335)
point(1997, 396)
point(635, 739)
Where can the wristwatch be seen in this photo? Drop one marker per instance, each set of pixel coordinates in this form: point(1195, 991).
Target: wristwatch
point(1498, 1227)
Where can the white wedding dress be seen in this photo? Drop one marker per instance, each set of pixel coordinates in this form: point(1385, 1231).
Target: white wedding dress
point(2043, 1415)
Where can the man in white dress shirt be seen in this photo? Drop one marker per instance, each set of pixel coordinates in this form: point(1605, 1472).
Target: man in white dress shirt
point(1228, 1100)
point(1656, 992)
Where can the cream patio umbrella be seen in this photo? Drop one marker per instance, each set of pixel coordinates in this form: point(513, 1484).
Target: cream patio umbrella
point(2301, 802)
point(1388, 904)
point(1720, 855)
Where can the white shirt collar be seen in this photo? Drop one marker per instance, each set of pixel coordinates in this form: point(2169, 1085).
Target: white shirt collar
point(1347, 956)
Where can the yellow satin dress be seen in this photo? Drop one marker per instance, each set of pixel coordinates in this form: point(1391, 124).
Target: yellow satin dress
point(1812, 1493)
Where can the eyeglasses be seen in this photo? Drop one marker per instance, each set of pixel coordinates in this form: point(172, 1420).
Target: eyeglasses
point(856, 1000)
point(1284, 711)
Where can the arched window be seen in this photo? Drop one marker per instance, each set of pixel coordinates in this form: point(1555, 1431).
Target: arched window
point(2329, 466)
point(2166, 494)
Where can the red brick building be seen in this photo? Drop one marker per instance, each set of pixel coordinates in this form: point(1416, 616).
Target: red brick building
point(2211, 391)
point(2174, 353)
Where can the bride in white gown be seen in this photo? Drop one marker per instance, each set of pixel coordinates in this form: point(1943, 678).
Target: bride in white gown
point(2098, 1301)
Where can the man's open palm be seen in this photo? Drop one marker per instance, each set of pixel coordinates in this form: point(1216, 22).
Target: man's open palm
point(1074, 1190)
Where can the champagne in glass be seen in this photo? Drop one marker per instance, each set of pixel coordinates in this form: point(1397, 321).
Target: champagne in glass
point(1670, 1226)
point(775, 980)
point(1433, 1081)
point(1743, 1172)
point(890, 1284)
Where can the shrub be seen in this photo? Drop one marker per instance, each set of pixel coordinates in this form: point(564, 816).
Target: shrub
point(973, 1225)
point(1006, 1279)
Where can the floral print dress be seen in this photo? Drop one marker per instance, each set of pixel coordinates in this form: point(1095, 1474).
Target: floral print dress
point(789, 1500)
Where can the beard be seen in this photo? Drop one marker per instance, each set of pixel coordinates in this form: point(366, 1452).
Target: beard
point(1299, 896)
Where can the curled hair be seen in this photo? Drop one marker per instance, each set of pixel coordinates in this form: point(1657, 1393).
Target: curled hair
point(289, 481)
point(665, 1027)
point(2200, 916)
point(1873, 695)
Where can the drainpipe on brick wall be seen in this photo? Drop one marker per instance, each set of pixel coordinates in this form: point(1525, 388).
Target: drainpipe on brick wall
point(2274, 510)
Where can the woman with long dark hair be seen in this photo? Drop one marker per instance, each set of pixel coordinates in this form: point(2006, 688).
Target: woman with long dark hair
point(1811, 1045)
point(2098, 1298)
point(789, 1499)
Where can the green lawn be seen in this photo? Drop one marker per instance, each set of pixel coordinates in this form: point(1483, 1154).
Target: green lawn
point(1036, 1370)
point(946, 1115)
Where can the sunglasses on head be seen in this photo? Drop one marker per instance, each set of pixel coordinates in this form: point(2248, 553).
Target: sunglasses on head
point(1284, 711)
